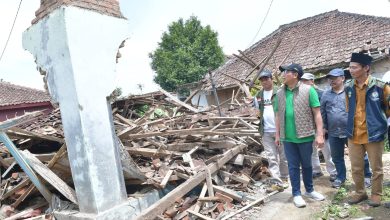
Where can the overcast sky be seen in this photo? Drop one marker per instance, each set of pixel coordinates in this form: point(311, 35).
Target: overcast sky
point(236, 22)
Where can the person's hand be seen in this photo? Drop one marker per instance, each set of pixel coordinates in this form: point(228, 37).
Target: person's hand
point(319, 141)
point(277, 140)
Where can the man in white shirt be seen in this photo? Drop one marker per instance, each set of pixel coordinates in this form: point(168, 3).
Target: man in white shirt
point(276, 157)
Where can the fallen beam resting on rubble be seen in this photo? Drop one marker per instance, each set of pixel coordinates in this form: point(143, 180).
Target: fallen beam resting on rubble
point(50, 176)
point(25, 166)
point(32, 134)
point(187, 100)
point(165, 202)
point(178, 102)
point(19, 120)
point(249, 205)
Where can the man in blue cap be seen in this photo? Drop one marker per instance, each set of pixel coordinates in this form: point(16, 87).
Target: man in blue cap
point(275, 154)
point(367, 107)
point(298, 123)
point(334, 118)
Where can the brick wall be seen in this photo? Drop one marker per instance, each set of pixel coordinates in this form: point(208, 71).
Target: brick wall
point(107, 7)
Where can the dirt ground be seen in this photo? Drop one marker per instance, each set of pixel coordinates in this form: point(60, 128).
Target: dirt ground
point(281, 207)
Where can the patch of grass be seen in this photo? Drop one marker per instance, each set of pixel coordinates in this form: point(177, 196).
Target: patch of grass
point(386, 193)
point(337, 209)
point(340, 195)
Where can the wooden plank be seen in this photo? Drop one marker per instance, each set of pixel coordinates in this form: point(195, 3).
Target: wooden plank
point(228, 192)
point(249, 205)
point(50, 177)
point(177, 101)
point(234, 177)
point(199, 204)
point(166, 179)
point(187, 100)
point(247, 124)
point(182, 175)
point(209, 183)
point(265, 62)
point(41, 157)
point(246, 57)
point(200, 215)
point(5, 125)
point(125, 120)
point(166, 133)
point(22, 184)
point(256, 67)
point(184, 147)
point(147, 152)
point(210, 199)
point(21, 198)
point(221, 144)
point(35, 135)
point(245, 60)
point(24, 212)
point(165, 202)
point(233, 118)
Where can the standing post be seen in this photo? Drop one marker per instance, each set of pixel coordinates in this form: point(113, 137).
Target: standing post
point(76, 43)
point(215, 92)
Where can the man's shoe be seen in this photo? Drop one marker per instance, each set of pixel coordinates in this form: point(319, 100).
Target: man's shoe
point(315, 195)
point(316, 175)
point(357, 199)
point(332, 177)
point(387, 205)
point(375, 201)
point(367, 182)
point(337, 183)
point(299, 202)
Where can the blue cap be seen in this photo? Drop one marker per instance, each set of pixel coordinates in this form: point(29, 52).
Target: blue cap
point(265, 73)
point(336, 72)
point(293, 67)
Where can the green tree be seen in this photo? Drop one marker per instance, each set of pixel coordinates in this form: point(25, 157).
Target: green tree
point(186, 52)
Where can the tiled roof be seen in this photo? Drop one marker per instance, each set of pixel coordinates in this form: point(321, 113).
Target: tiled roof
point(11, 94)
point(323, 41)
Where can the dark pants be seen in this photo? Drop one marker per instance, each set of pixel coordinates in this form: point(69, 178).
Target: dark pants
point(337, 152)
point(367, 170)
point(299, 155)
point(337, 146)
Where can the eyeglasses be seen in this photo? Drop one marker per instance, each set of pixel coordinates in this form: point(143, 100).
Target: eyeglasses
point(287, 71)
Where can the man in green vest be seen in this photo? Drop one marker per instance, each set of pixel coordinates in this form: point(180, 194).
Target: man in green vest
point(298, 123)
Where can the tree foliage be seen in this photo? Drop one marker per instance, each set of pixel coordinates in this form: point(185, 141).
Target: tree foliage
point(186, 52)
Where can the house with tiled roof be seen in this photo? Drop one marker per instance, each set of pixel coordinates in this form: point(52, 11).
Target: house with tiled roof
point(16, 100)
point(319, 43)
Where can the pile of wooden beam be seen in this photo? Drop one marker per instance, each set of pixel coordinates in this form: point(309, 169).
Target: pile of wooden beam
point(188, 150)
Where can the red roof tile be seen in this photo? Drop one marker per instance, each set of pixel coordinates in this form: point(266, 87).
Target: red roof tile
point(324, 41)
point(11, 94)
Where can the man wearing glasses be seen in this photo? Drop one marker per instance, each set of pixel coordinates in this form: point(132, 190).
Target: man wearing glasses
point(298, 123)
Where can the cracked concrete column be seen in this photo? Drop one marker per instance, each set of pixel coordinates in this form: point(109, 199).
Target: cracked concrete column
point(75, 43)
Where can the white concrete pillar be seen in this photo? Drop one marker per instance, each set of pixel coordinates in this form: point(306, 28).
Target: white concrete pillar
point(77, 48)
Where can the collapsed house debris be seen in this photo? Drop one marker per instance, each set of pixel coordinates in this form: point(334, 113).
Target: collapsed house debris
point(207, 165)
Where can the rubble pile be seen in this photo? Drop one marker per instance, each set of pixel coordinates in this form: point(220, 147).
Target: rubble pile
point(209, 164)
